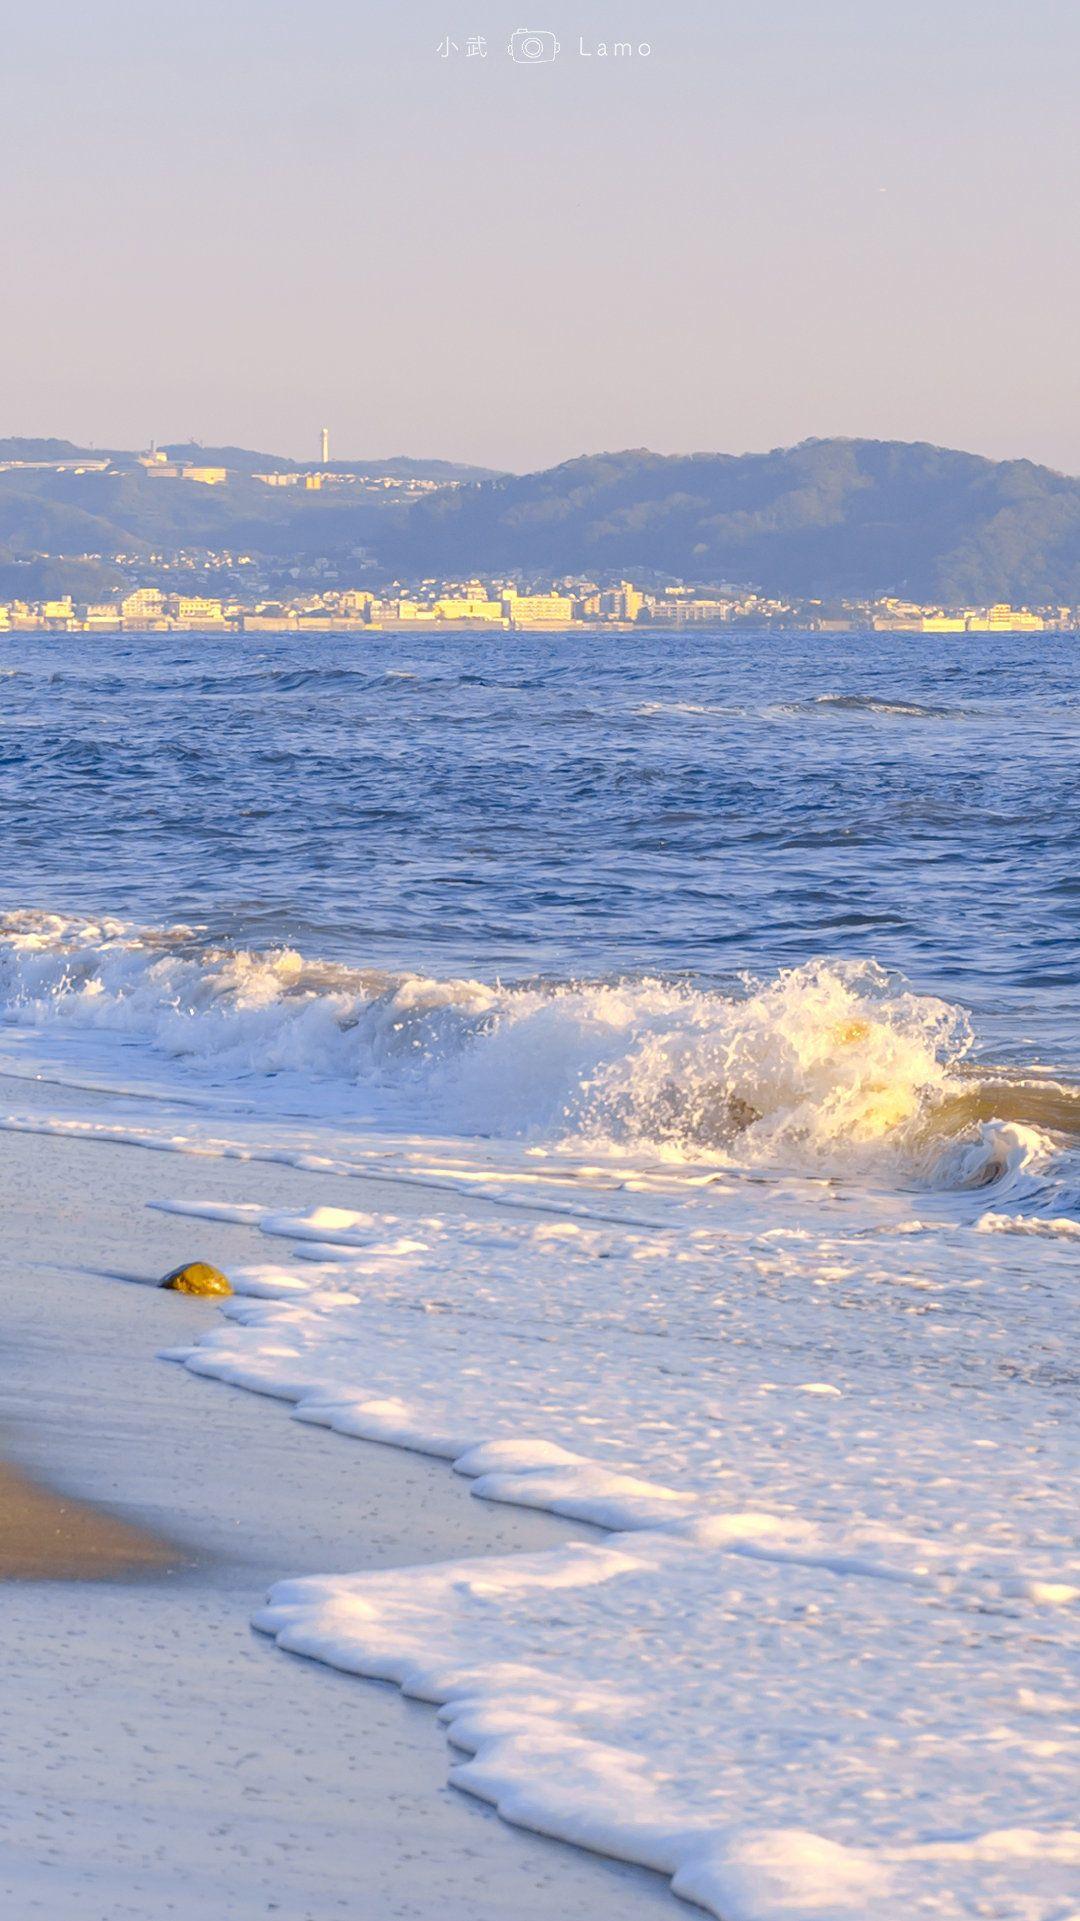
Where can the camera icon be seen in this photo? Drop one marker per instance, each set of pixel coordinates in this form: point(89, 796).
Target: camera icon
point(532, 49)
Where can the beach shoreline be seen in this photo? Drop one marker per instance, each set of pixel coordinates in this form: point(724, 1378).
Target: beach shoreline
point(166, 1758)
point(749, 1380)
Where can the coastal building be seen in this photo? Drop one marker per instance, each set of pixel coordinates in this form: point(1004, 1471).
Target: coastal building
point(900, 617)
point(157, 466)
point(621, 603)
point(269, 623)
point(410, 610)
point(460, 609)
point(193, 610)
point(44, 616)
point(146, 603)
point(323, 620)
point(1003, 619)
point(685, 607)
point(537, 610)
point(24, 619)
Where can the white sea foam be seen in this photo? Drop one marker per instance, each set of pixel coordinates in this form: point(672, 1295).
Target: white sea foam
point(827, 1598)
point(834, 1067)
point(1057, 1228)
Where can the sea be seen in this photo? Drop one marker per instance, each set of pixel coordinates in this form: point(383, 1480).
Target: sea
point(728, 984)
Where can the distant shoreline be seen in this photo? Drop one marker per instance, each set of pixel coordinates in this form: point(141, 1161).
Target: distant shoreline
point(238, 628)
point(256, 624)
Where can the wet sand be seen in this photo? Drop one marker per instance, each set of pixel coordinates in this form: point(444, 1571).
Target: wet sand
point(48, 1536)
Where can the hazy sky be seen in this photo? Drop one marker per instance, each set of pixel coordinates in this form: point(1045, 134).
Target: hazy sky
point(237, 220)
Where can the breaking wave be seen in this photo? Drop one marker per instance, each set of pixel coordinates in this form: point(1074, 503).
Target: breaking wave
point(834, 1067)
point(873, 705)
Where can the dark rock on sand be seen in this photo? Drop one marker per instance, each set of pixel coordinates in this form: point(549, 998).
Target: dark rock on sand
point(198, 1277)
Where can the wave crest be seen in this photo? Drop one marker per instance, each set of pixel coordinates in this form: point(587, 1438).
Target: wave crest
point(833, 1067)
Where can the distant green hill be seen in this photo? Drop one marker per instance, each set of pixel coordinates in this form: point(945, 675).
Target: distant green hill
point(15, 448)
point(135, 513)
point(66, 515)
point(827, 518)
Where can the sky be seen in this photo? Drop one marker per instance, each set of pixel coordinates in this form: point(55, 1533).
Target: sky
point(239, 221)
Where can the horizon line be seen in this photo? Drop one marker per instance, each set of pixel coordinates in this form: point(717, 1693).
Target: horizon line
point(485, 469)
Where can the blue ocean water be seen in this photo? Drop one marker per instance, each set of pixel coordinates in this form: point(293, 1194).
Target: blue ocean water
point(571, 807)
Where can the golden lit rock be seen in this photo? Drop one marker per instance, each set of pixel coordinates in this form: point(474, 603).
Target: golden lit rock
point(198, 1277)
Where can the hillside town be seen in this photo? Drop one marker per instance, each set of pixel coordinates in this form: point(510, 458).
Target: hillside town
point(511, 606)
point(225, 540)
point(159, 465)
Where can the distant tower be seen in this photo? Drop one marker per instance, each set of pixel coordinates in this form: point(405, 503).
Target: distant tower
point(326, 446)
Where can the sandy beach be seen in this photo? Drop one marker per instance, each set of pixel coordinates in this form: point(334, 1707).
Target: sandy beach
point(162, 1758)
point(45, 1536)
